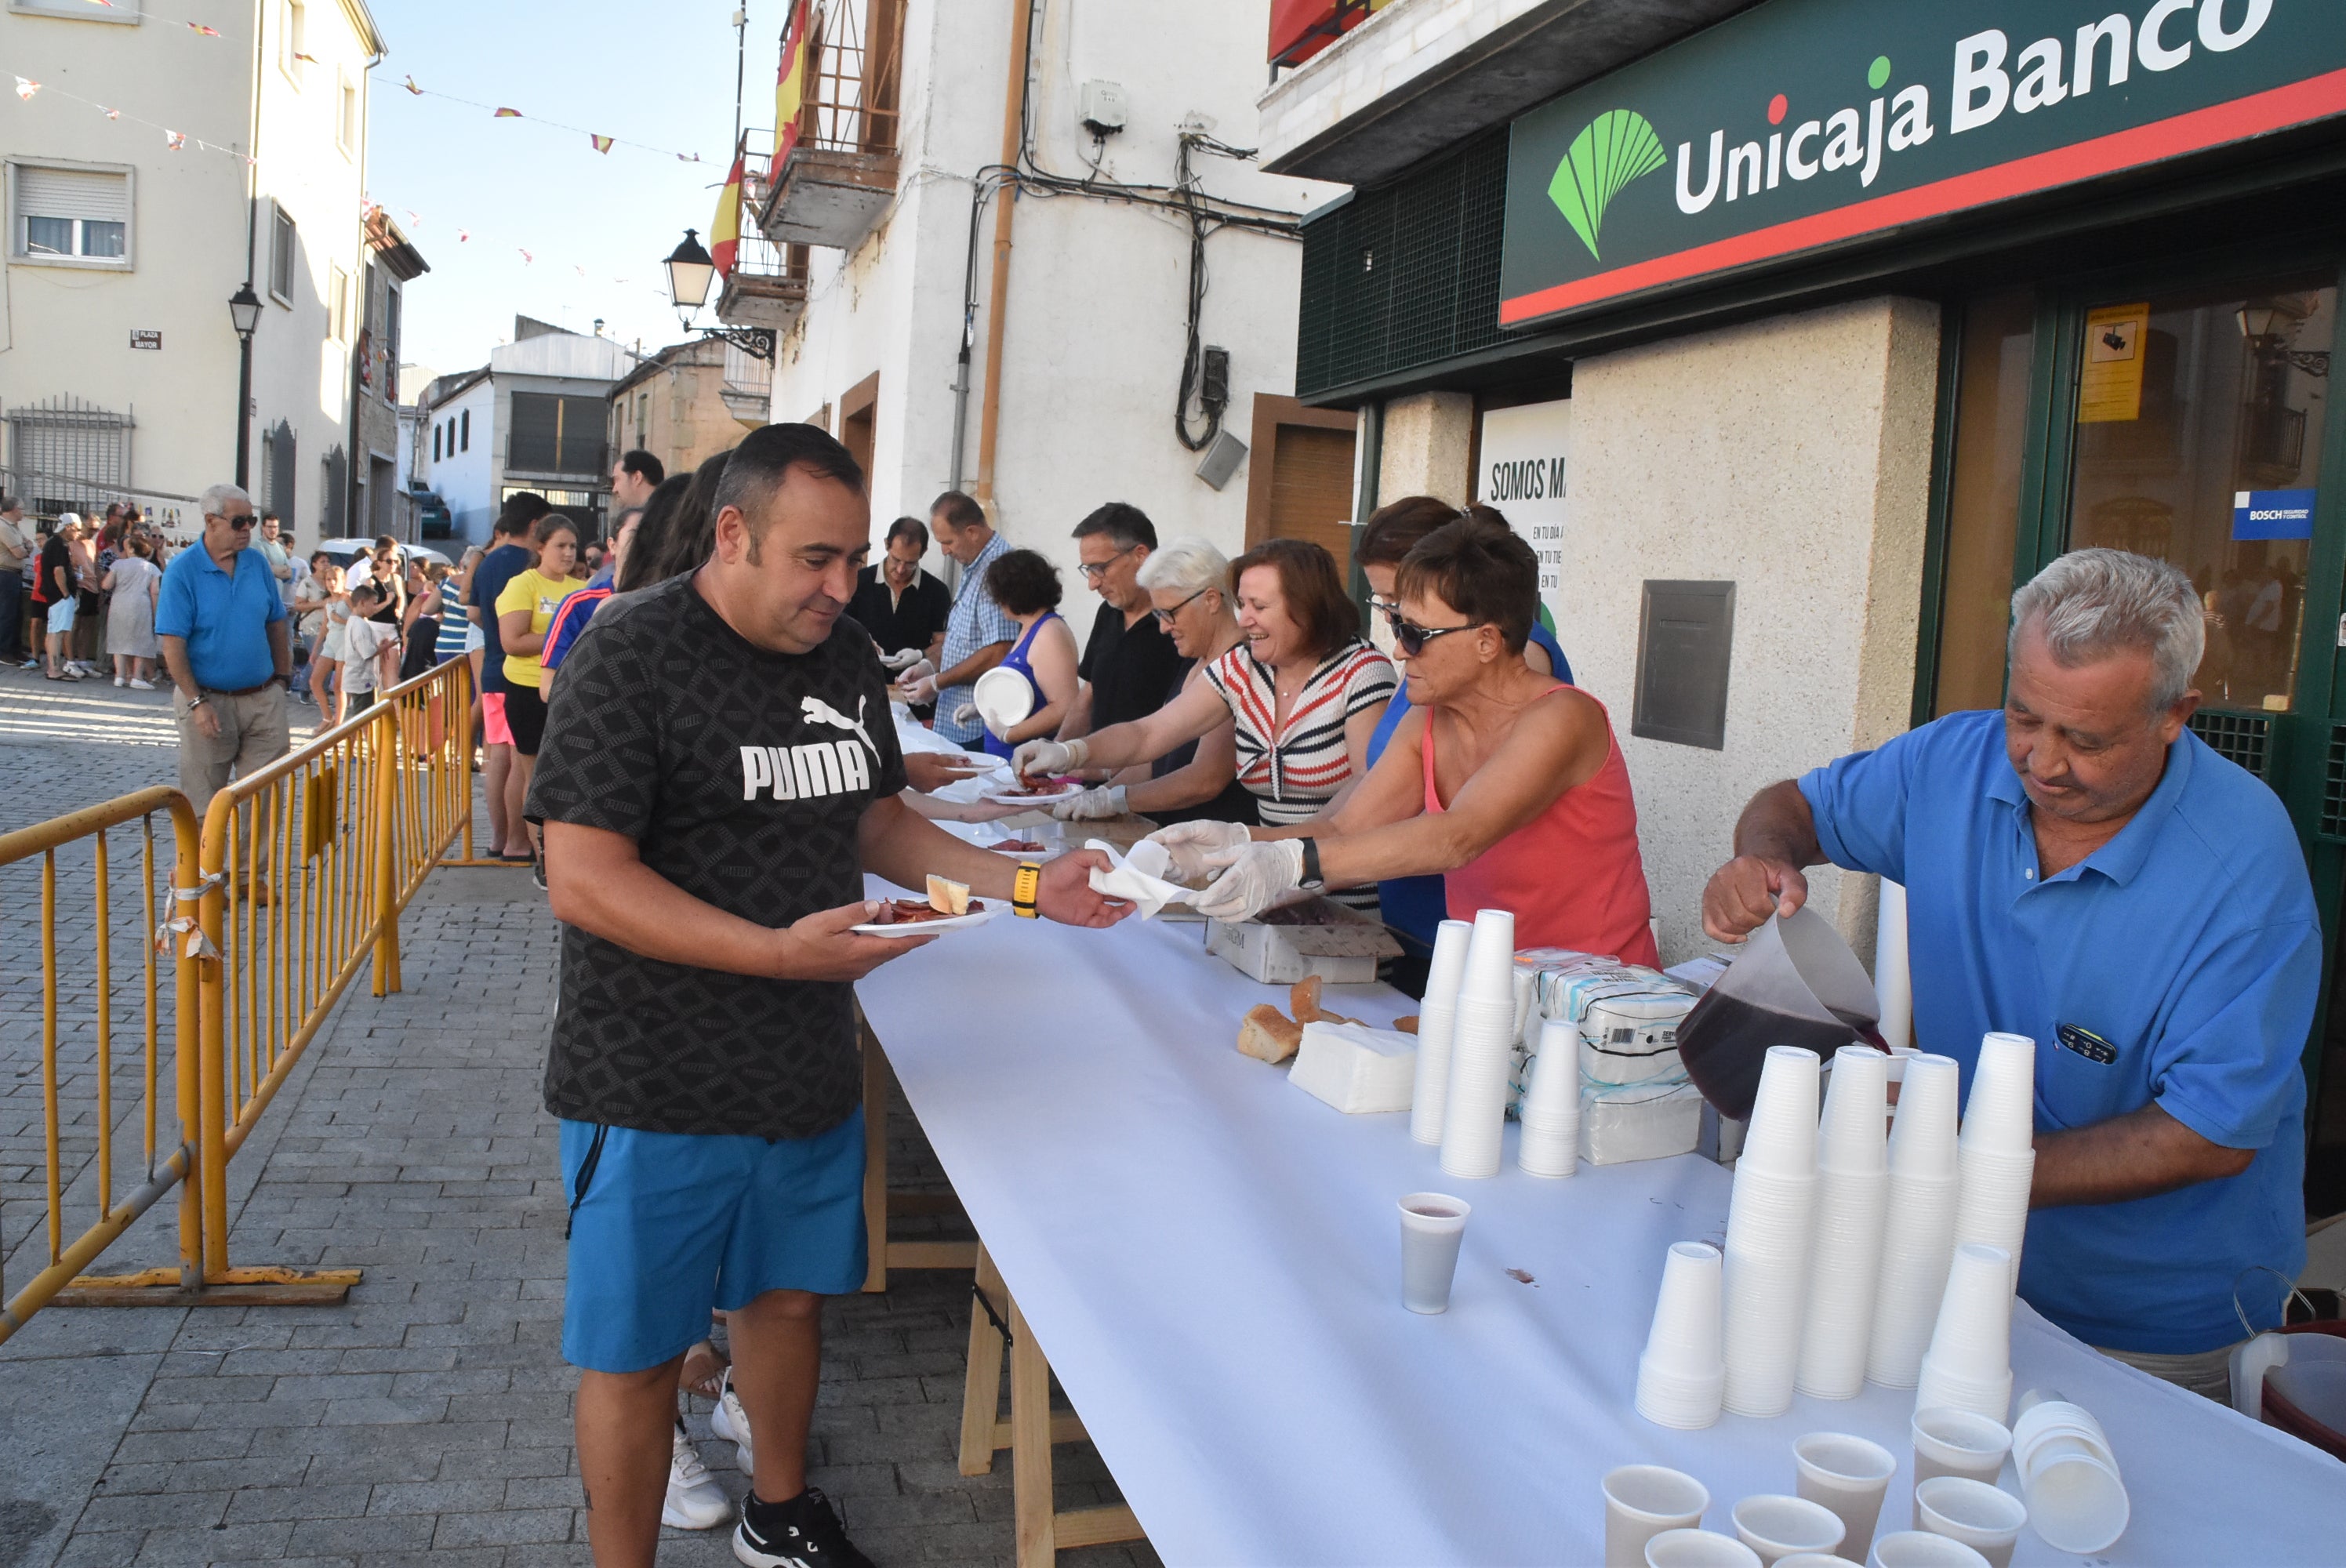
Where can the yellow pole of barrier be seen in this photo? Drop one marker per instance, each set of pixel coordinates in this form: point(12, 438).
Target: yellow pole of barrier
point(211, 1048)
point(387, 761)
point(187, 1037)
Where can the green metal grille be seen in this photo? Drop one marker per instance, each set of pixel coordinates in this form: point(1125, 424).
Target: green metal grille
point(1406, 275)
point(2241, 738)
point(2333, 786)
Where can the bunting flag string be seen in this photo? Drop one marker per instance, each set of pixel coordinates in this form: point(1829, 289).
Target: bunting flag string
point(601, 142)
point(178, 141)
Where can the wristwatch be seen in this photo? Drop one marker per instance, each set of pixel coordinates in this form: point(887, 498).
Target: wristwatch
point(1312, 881)
point(1023, 889)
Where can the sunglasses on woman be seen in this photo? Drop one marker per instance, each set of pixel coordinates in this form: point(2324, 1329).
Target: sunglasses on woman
point(1410, 638)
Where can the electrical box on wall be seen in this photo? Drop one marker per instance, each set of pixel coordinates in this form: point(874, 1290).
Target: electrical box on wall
point(1103, 107)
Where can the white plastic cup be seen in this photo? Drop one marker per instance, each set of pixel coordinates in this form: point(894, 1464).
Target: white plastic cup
point(2002, 1112)
point(1782, 1136)
point(1849, 1475)
point(1641, 1501)
point(1973, 1338)
point(1844, 1265)
point(1554, 1088)
point(1992, 1200)
point(1775, 1526)
point(1433, 1223)
point(1853, 1136)
point(1920, 1549)
point(1490, 974)
point(1482, 1058)
point(1960, 1443)
point(1549, 1149)
point(1436, 1021)
point(2076, 1501)
point(1682, 1376)
point(1922, 1139)
point(1698, 1549)
point(1809, 1560)
point(1985, 1518)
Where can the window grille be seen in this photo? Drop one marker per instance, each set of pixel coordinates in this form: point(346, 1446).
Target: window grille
point(68, 456)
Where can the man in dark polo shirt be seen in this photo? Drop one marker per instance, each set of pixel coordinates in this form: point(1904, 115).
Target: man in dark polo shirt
point(717, 774)
point(1129, 665)
point(901, 605)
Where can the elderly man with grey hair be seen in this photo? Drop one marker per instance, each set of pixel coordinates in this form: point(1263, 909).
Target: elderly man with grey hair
point(228, 649)
point(2082, 870)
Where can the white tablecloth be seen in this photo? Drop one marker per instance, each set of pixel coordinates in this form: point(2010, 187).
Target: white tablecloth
point(1209, 1257)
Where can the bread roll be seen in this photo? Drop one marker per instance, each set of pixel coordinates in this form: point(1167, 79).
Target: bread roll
point(1407, 1024)
point(1269, 1035)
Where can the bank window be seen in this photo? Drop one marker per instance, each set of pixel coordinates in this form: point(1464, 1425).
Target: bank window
point(283, 246)
point(2199, 443)
point(70, 215)
point(1998, 340)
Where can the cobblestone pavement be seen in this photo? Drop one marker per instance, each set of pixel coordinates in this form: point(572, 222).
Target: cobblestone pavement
point(428, 1420)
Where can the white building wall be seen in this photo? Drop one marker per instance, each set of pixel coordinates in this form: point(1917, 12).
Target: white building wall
point(65, 330)
point(1793, 457)
point(1095, 331)
point(466, 479)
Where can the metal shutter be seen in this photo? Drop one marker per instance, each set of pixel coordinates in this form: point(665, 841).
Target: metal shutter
point(72, 193)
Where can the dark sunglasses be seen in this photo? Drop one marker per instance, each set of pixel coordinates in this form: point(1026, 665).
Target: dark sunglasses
point(1410, 638)
point(1165, 618)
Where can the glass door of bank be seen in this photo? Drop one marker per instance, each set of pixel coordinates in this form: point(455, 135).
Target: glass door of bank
point(2186, 417)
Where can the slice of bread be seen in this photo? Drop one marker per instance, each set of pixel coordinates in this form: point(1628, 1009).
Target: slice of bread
point(1268, 1035)
point(948, 897)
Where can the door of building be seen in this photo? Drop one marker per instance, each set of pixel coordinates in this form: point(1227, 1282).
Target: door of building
point(1300, 485)
point(2186, 416)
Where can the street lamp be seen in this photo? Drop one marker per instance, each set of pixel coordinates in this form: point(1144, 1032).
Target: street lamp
point(244, 313)
point(691, 271)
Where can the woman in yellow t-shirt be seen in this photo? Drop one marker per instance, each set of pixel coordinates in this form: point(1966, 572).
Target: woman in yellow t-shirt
point(524, 609)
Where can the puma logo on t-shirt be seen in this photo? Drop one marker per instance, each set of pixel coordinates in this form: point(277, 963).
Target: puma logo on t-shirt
point(814, 710)
point(806, 773)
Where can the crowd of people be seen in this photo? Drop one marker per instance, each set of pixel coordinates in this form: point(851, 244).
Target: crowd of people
point(87, 593)
point(689, 735)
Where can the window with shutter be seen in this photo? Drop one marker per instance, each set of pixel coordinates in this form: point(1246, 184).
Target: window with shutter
point(70, 215)
point(282, 250)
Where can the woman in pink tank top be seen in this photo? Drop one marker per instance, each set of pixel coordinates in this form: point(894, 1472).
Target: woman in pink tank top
point(1508, 783)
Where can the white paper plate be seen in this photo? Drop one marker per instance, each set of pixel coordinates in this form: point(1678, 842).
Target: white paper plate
point(931, 927)
point(1004, 798)
point(1003, 697)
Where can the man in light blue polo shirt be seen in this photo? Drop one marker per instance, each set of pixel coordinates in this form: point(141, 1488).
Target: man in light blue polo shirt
point(228, 649)
point(2082, 870)
point(978, 634)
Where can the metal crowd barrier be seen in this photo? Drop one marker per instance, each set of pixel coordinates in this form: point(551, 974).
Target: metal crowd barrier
point(294, 879)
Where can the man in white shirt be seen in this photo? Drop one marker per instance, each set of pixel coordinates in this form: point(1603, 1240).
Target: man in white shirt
point(15, 549)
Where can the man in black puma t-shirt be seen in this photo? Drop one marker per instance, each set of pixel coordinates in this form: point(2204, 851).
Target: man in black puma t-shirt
point(718, 772)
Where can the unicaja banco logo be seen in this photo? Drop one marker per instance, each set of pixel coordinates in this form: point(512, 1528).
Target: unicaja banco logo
point(1615, 150)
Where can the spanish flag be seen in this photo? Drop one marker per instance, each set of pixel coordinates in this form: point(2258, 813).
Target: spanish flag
point(725, 230)
point(790, 89)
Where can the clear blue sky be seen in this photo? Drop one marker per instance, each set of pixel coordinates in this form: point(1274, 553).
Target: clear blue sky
point(658, 74)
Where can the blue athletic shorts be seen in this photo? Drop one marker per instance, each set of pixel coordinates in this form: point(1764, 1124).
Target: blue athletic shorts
point(674, 1224)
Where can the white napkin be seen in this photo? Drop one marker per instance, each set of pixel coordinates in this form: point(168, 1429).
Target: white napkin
point(1139, 877)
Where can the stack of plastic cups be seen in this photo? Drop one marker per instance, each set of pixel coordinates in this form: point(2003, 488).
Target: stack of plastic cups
point(1852, 1195)
point(1436, 1020)
point(1768, 1224)
point(2068, 1476)
point(1918, 1232)
point(1551, 1107)
point(1482, 1050)
point(1998, 1158)
point(1969, 1364)
point(1683, 1373)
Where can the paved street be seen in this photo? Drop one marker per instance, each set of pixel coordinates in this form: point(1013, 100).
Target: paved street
point(430, 1414)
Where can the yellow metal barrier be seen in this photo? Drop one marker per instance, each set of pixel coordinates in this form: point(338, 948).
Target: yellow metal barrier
point(296, 877)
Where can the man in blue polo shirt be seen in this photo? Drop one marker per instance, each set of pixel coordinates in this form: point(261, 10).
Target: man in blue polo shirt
point(2082, 870)
point(228, 649)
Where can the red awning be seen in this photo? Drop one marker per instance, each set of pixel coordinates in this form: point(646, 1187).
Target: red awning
point(1301, 28)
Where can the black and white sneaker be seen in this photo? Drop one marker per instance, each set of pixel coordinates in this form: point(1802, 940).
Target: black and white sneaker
point(804, 1532)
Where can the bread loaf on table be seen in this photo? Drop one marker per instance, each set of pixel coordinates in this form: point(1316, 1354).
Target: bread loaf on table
point(1268, 1035)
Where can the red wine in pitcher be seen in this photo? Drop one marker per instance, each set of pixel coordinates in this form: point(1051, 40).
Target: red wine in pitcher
point(1724, 1044)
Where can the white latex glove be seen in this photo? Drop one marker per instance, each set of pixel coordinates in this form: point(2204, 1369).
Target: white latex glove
point(1256, 876)
point(965, 713)
point(920, 670)
point(1192, 843)
point(1046, 757)
point(1106, 801)
point(918, 692)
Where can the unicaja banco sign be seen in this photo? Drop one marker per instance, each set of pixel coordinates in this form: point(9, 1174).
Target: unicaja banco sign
point(1803, 125)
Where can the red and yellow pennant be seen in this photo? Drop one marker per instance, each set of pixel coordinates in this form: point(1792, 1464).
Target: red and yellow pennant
point(790, 89)
point(602, 143)
point(725, 230)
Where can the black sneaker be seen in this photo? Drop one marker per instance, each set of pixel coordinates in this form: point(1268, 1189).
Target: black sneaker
point(537, 871)
point(804, 1532)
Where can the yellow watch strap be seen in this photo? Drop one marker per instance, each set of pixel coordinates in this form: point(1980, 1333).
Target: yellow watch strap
point(1023, 888)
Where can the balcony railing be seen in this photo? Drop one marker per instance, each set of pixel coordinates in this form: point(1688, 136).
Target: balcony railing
point(749, 387)
point(767, 284)
point(841, 175)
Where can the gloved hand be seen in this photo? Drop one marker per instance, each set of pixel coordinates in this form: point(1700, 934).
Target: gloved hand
point(965, 713)
point(919, 669)
point(1193, 846)
point(1037, 757)
point(1256, 876)
point(1106, 801)
point(919, 693)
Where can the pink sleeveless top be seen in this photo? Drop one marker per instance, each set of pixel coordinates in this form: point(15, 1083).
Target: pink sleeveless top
point(1573, 876)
